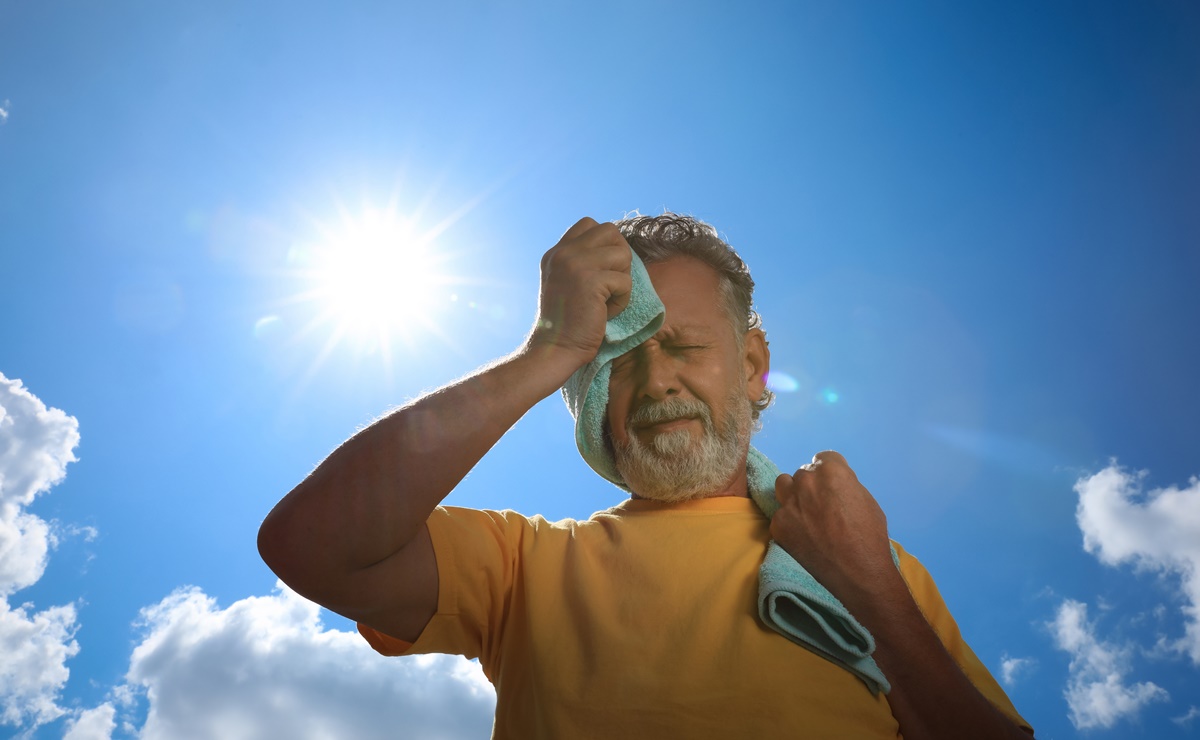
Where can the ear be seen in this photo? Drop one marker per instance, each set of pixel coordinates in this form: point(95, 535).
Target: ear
point(756, 358)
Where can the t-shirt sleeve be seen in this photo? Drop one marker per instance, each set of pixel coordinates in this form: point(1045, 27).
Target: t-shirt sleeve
point(477, 553)
point(926, 594)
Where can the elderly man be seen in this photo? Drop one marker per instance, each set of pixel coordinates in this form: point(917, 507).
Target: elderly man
point(641, 621)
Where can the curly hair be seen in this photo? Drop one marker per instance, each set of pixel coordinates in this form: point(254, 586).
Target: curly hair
point(658, 238)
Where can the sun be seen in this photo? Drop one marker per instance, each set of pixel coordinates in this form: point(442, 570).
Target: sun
point(374, 279)
point(375, 275)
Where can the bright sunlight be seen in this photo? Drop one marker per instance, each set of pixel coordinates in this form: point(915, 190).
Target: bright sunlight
point(375, 275)
point(374, 280)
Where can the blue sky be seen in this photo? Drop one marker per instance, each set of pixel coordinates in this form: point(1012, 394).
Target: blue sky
point(973, 229)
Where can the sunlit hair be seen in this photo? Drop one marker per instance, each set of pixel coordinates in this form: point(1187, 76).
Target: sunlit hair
point(658, 238)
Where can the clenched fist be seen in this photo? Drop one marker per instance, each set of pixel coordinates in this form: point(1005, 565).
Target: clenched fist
point(832, 525)
point(585, 282)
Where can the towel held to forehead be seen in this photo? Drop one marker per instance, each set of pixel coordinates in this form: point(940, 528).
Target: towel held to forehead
point(790, 600)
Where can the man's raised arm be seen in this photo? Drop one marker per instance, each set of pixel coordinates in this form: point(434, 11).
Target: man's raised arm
point(352, 535)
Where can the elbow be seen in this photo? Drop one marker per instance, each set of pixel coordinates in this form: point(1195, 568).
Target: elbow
point(267, 545)
point(286, 545)
point(273, 547)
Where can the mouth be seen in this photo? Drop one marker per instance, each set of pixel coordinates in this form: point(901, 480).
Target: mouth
point(667, 425)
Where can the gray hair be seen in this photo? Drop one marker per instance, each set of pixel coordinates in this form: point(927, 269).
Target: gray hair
point(658, 238)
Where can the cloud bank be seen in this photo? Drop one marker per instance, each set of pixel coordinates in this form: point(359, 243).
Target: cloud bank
point(36, 444)
point(1097, 693)
point(265, 667)
point(92, 724)
point(1157, 530)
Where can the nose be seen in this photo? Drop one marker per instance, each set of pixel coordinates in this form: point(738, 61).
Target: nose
point(658, 377)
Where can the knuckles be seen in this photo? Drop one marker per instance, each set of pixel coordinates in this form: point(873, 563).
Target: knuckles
point(588, 244)
point(830, 457)
point(830, 465)
point(613, 236)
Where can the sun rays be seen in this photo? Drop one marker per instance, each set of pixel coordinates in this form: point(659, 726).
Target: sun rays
point(372, 283)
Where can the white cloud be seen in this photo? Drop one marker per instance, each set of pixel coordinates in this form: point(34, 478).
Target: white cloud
point(1186, 719)
point(1013, 668)
point(93, 724)
point(265, 667)
point(34, 649)
point(36, 444)
point(1159, 530)
point(4, 112)
point(1096, 692)
point(60, 530)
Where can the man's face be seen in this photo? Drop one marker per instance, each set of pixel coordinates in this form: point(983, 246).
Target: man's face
point(679, 404)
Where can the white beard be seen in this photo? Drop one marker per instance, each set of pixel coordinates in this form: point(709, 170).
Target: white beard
point(673, 467)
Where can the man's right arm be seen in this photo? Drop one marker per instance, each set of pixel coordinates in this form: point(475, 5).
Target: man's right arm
point(352, 535)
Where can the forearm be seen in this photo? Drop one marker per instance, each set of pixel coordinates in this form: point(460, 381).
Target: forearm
point(931, 697)
point(369, 498)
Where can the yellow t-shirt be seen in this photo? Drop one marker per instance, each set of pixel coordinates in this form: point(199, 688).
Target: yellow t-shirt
point(642, 622)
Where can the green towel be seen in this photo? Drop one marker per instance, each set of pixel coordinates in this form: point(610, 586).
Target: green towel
point(586, 392)
point(790, 600)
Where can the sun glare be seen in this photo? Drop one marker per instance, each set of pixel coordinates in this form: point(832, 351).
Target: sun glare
point(376, 275)
point(374, 280)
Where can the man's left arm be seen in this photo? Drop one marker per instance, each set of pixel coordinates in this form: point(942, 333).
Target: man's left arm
point(833, 526)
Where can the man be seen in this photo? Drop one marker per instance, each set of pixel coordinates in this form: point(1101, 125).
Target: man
point(640, 622)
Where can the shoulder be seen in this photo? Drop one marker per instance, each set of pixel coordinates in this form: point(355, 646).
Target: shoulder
point(920, 583)
point(504, 522)
point(929, 599)
point(910, 567)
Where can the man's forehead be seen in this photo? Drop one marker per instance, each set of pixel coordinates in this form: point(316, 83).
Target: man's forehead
point(690, 332)
point(690, 291)
point(685, 329)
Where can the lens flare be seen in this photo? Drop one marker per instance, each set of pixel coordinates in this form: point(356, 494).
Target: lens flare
point(781, 382)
